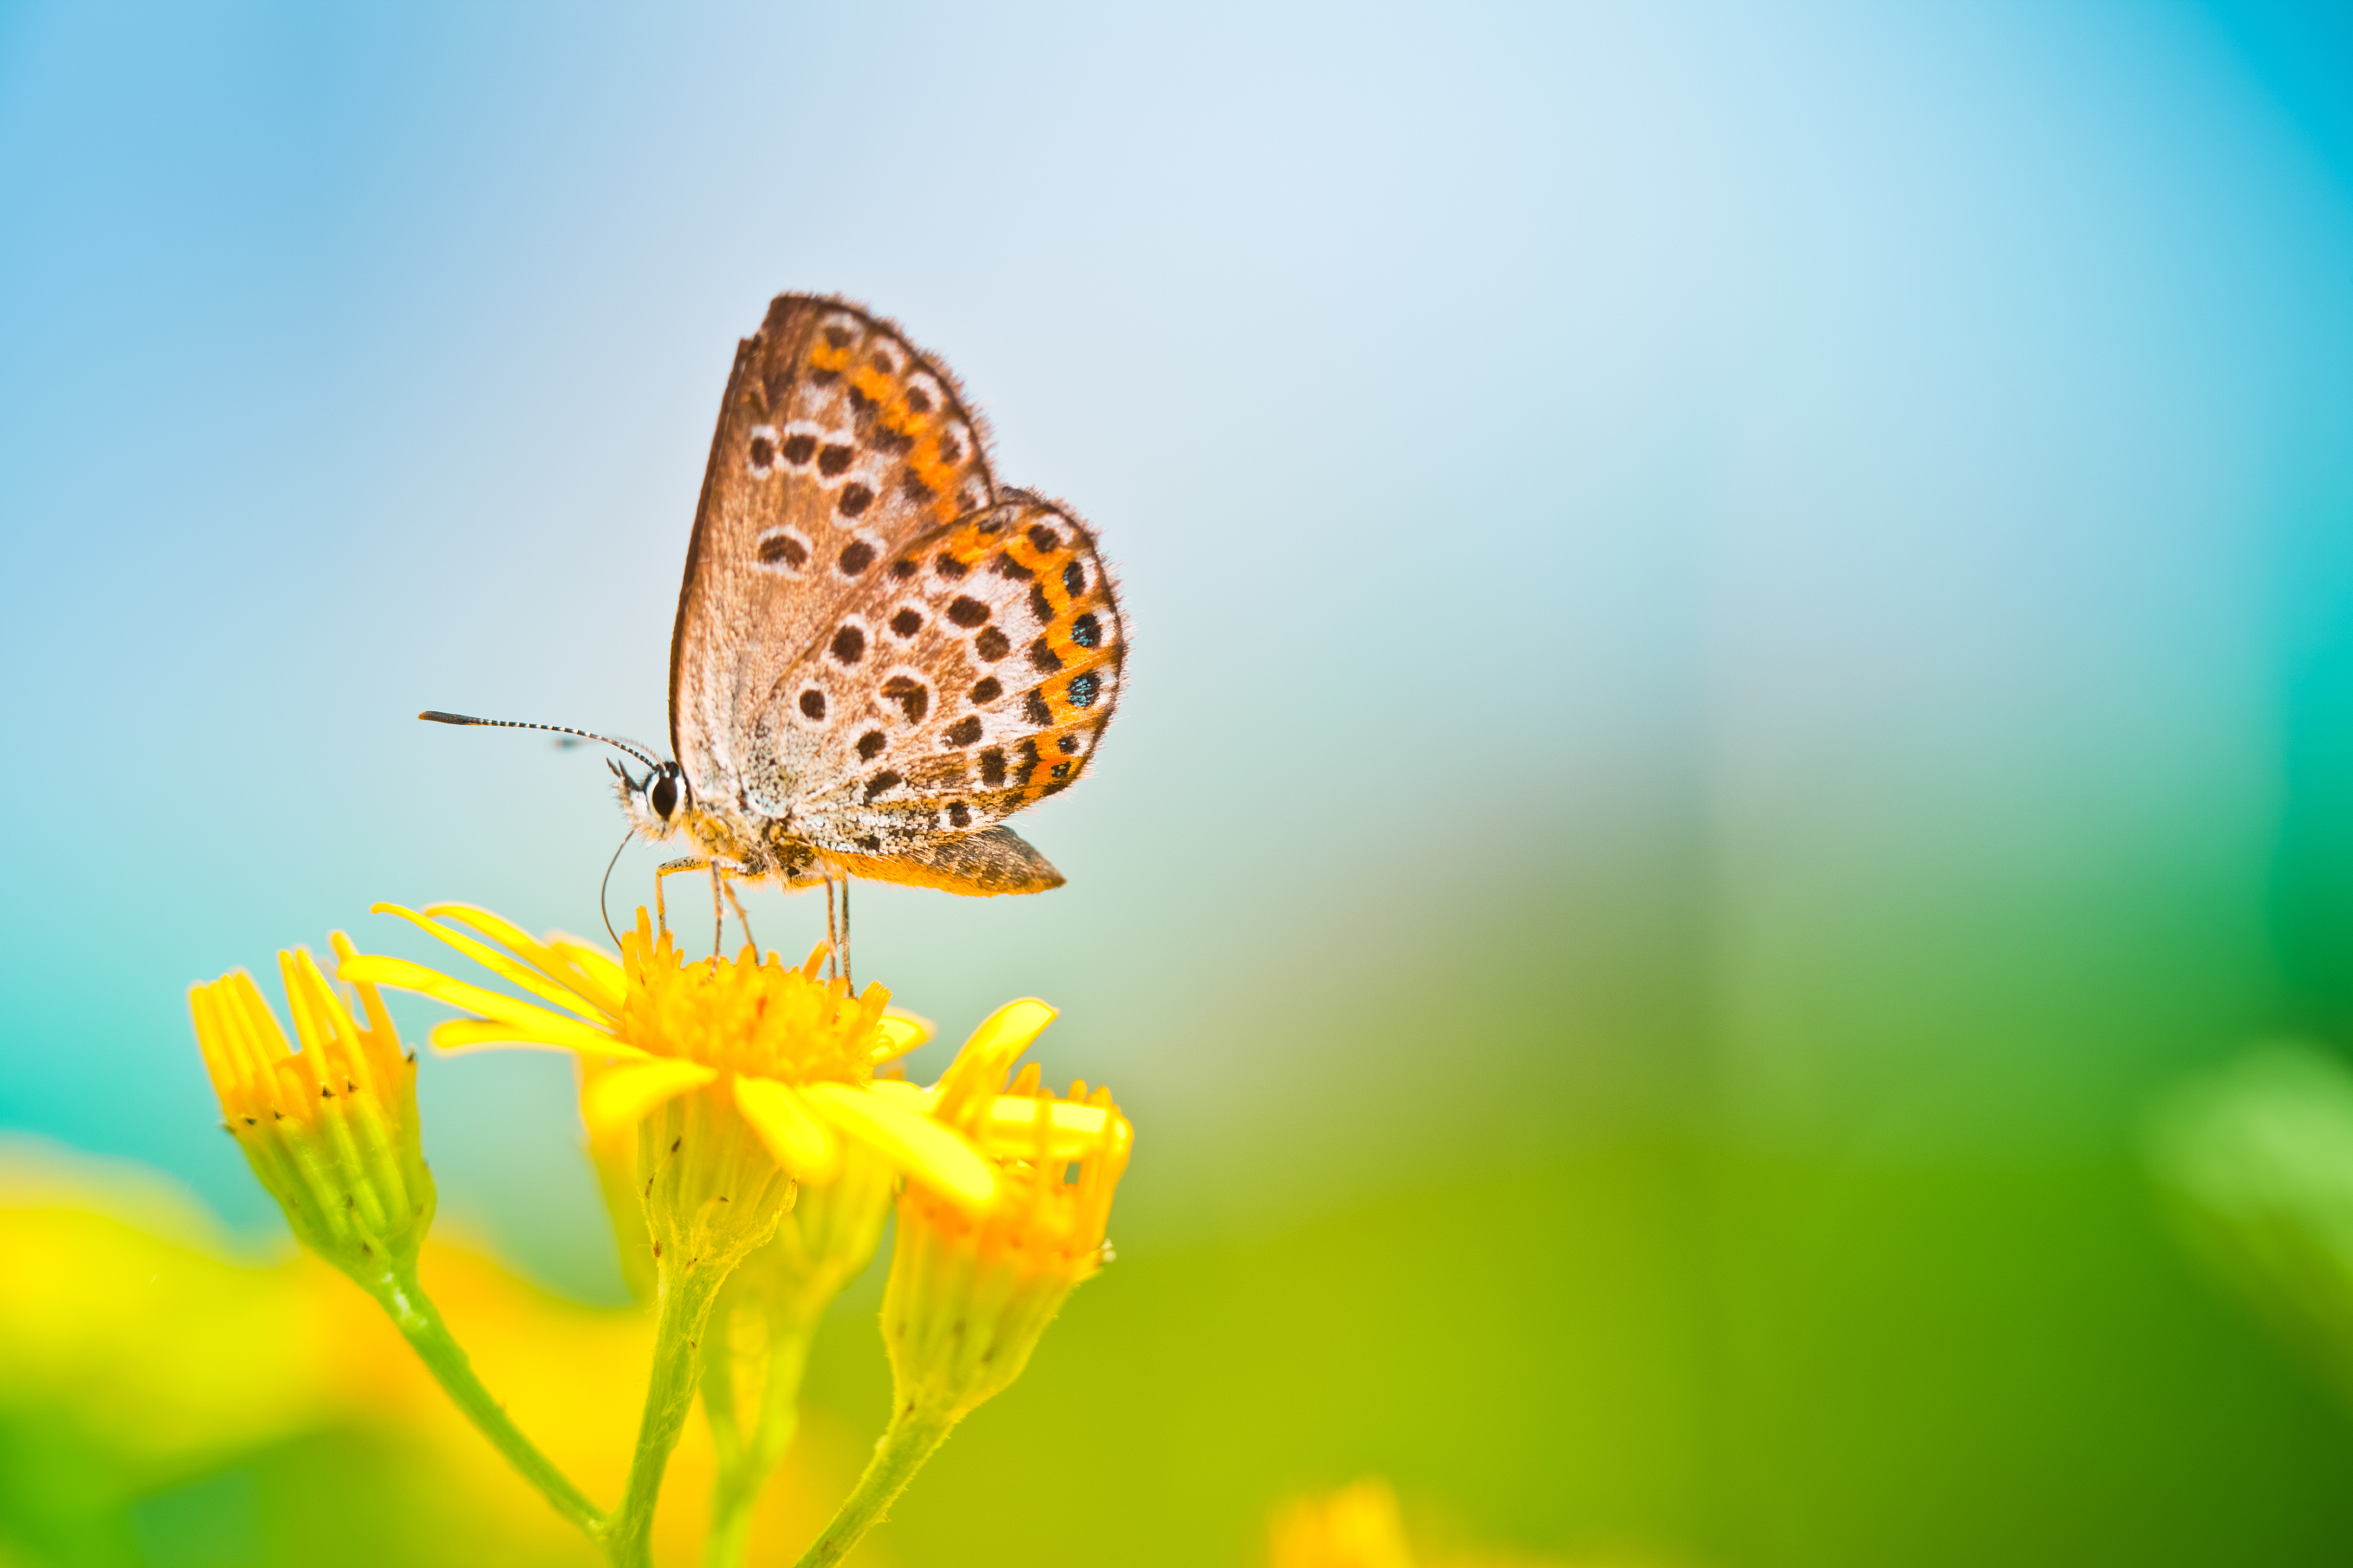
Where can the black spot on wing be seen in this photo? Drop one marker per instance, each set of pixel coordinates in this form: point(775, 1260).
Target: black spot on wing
point(913, 698)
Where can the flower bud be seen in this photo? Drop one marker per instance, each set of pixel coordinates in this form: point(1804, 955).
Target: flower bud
point(972, 1291)
point(330, 1129)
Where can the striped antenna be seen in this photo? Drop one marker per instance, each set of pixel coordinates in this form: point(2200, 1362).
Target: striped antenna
point(435, 716)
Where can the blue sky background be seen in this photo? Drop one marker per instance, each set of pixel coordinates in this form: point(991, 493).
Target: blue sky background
point(1845, 506)
point(1533, 423)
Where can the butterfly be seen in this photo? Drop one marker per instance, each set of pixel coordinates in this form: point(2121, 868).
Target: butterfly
point(880, 654)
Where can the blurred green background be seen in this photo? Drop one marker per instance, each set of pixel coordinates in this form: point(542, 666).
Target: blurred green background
point(1744, 649)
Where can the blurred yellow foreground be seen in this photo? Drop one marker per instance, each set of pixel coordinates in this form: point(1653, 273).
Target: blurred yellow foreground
point(166, 1403)
point(163, 1403)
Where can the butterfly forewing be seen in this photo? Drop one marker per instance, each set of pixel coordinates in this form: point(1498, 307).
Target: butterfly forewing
point(837, 444)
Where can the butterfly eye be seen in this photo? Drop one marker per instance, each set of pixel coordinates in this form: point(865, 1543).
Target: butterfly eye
point(664, 795)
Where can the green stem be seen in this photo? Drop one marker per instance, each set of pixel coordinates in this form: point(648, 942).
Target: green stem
point(744, 1462)
point(914, 1436)
point(419, 1323)
point(669, 1396)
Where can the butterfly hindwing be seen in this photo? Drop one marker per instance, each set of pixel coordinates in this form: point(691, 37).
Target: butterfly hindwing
point(836, 443)
point(984, 666)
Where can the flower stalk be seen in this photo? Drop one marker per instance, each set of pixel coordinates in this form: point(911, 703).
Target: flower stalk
point(912, 1436)
point(419, 1323)
point(712, 1192)
point(332, 1132)
point(972, 1291)
point(759, 1343)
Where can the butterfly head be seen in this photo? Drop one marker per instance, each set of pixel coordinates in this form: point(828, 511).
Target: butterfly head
point(657, 803)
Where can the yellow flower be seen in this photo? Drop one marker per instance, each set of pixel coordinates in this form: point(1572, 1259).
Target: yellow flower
point(971, 1290)
point(330, 1129)
point(1356, 1527)
point(793, 1055)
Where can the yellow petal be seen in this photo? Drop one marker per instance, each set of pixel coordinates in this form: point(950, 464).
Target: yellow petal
point(620, 1097)
point(979, 1069)
point(801, 1143)
point(536, 1023)
point(1074, 1130)
point(926, 1150)
point(564, 959)
point(899, 1031)
point(498, 963)
point(1006, 1033)
point(379, 1021)
point(455, 1037)
point(602, 979)
point(311, 1030)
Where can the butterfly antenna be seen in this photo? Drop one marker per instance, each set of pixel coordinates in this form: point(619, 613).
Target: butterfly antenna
point(603, 911)
point(435, 716)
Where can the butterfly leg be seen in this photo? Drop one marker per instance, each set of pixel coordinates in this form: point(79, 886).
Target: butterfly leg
point(844, 938)
point(742, 919)
point(832, 931)
point(683, 863)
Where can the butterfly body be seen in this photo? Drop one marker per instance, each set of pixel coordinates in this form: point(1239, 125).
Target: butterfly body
point(880, 654)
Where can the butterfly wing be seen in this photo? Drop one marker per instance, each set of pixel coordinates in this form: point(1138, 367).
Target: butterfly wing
point(836, 443)
point(875, 651)
point(973, 677)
